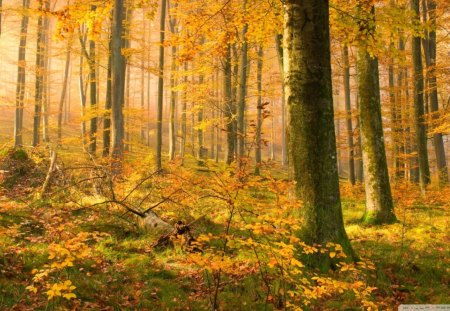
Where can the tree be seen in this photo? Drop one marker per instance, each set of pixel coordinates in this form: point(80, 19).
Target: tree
point(260, 108)
point(118, 86)
point(312, 141)
point(439, 147)
point(20, 88)
point(379, 206)
point(243, 64)
point(421, 132)
point(159, 116)
point(64, 91)
point(348, 110)
point(39, 83)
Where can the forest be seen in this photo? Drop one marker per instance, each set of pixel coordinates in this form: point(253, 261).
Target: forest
point(224, 155)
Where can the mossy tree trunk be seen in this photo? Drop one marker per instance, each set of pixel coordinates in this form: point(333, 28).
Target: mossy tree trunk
point(118, 66)
point(379, 205)
point(439, 147)
point(312, 141)
point(421, 132)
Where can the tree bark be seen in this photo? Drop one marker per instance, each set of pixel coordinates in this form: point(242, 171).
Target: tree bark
point(379, 205)
point(284, 149)
point(419, 118)
point(260, 108)
point(108, 102)
point(243, 63)
point(63, 92)
point(439, 147)
point(20, 87)
point(348, 111)
point(312, 141)
point(118, 87)
point(159, 116)
point(39, 83)
point(229, 106)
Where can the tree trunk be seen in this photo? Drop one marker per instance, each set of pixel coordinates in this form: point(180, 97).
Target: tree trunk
point(348, 110)
point(243, 63)
point(118, 87)
point(39, 83)
point(439, 147)
point(160, 86)
point(312, 141)
point(200, 140)
point(45, 81)
point(421, 134)
point(183, 113)
point(92, 95)
point(20, 88)
point(63, 92)
point(108, 101)
point(379, 206)
point(260, 108)
point(284, 149)
point(229, 106)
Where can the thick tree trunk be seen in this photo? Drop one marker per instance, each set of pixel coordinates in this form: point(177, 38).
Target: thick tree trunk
point(159, 116)
point(419, 118)
point(312, 141)
point(379, 205)
point(20, 87)
point(118, 87)
point(260, 108)
point(348, 112)
point(439, 147)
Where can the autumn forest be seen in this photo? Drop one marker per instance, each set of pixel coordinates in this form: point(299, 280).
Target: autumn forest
point(224, 155)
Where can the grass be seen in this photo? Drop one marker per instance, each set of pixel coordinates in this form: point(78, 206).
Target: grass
point(124, 273)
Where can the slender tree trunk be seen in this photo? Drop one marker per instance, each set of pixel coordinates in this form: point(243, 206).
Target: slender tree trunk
point(284, 149)
point(173, 105)
point(20, 87)
point(63, 92)
point(144, 39)
point(160, 87)
point(200, 138)
point(243, 63)
point(92, 95)
point(39, 84)
point(118, 87)
point(184, 113)
point(421, 135)
point(439, 147)
point(260, 108)
point(359, 168)
point(108, 101)
point(394, 121)
point(46, 81)
point(379, 205)
point(348, 111)
point(312, 141)
point(229, 106)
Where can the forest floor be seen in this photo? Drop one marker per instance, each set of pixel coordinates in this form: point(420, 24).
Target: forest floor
point(58, 254)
